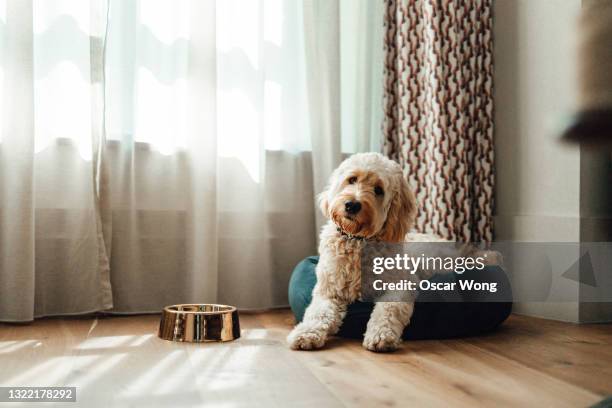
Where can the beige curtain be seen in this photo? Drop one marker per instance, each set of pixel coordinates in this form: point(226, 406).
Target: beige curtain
point(52, 253)
point(438, 106)
point(152, 153)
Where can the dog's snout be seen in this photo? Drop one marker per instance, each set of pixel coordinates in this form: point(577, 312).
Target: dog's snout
point(352, 207)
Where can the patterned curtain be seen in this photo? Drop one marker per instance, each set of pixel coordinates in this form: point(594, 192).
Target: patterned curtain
point(438, 105)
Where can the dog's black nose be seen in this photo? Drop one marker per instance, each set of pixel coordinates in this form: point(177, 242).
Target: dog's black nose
point(352, 207)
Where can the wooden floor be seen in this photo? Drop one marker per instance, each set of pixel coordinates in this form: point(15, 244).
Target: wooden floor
point(119, 361)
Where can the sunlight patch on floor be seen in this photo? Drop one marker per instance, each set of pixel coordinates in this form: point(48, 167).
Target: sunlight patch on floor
point(12, 346)
point(46, 373)
point(88, 369)
point(174, 362)
point(103, 342)
point(254, 334)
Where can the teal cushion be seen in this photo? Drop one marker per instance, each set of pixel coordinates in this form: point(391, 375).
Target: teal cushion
point(303, 279)
point(433, 318)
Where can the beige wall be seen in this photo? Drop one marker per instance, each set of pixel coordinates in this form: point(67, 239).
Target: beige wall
point(538, 179)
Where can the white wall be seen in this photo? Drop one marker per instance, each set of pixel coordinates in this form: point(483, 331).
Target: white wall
point(538, 179)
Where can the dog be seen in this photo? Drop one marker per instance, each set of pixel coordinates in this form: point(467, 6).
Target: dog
point(367, 198)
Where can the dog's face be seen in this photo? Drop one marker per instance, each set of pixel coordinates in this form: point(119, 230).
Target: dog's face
point(368, 196)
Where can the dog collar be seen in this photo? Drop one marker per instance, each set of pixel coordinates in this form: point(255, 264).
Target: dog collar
point(349, 236)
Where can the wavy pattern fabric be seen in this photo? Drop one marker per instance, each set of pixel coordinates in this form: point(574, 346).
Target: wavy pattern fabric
point(438, 106)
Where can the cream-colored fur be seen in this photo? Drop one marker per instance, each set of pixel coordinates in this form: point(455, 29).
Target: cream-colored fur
point(386, 217)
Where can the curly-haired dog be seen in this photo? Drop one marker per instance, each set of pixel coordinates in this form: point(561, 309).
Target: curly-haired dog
point(367, 198)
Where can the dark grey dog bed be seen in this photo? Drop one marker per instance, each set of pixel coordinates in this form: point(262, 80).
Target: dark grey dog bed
point(433, 318)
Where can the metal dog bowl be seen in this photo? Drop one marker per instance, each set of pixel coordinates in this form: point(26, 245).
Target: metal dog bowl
point(197, 323)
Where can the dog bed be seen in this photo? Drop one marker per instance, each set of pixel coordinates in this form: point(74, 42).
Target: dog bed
point(433, 318)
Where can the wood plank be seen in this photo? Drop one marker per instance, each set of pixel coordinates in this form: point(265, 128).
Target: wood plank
point(120, 361)
point(577, 354)
point(432, 373)
point(40, 354)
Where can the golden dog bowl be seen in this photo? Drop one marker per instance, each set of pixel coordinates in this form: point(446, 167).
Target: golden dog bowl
point(197, 323)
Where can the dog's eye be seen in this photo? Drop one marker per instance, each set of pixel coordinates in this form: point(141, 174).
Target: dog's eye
point(379, 191)
point(352, 180)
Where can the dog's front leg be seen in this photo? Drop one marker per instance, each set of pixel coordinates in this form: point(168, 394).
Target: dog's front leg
point(386, 325)
point(322, 318)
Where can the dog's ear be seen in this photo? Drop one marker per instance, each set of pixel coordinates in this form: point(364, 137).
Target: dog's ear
point(323, 203)
point(402, 212)
point(323, 198)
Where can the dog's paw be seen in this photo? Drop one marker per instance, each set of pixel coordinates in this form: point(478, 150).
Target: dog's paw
point(381, 340)
point(304, 339)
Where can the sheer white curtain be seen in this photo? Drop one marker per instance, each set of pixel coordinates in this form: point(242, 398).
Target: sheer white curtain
point(52, 255)
point(162, 151)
